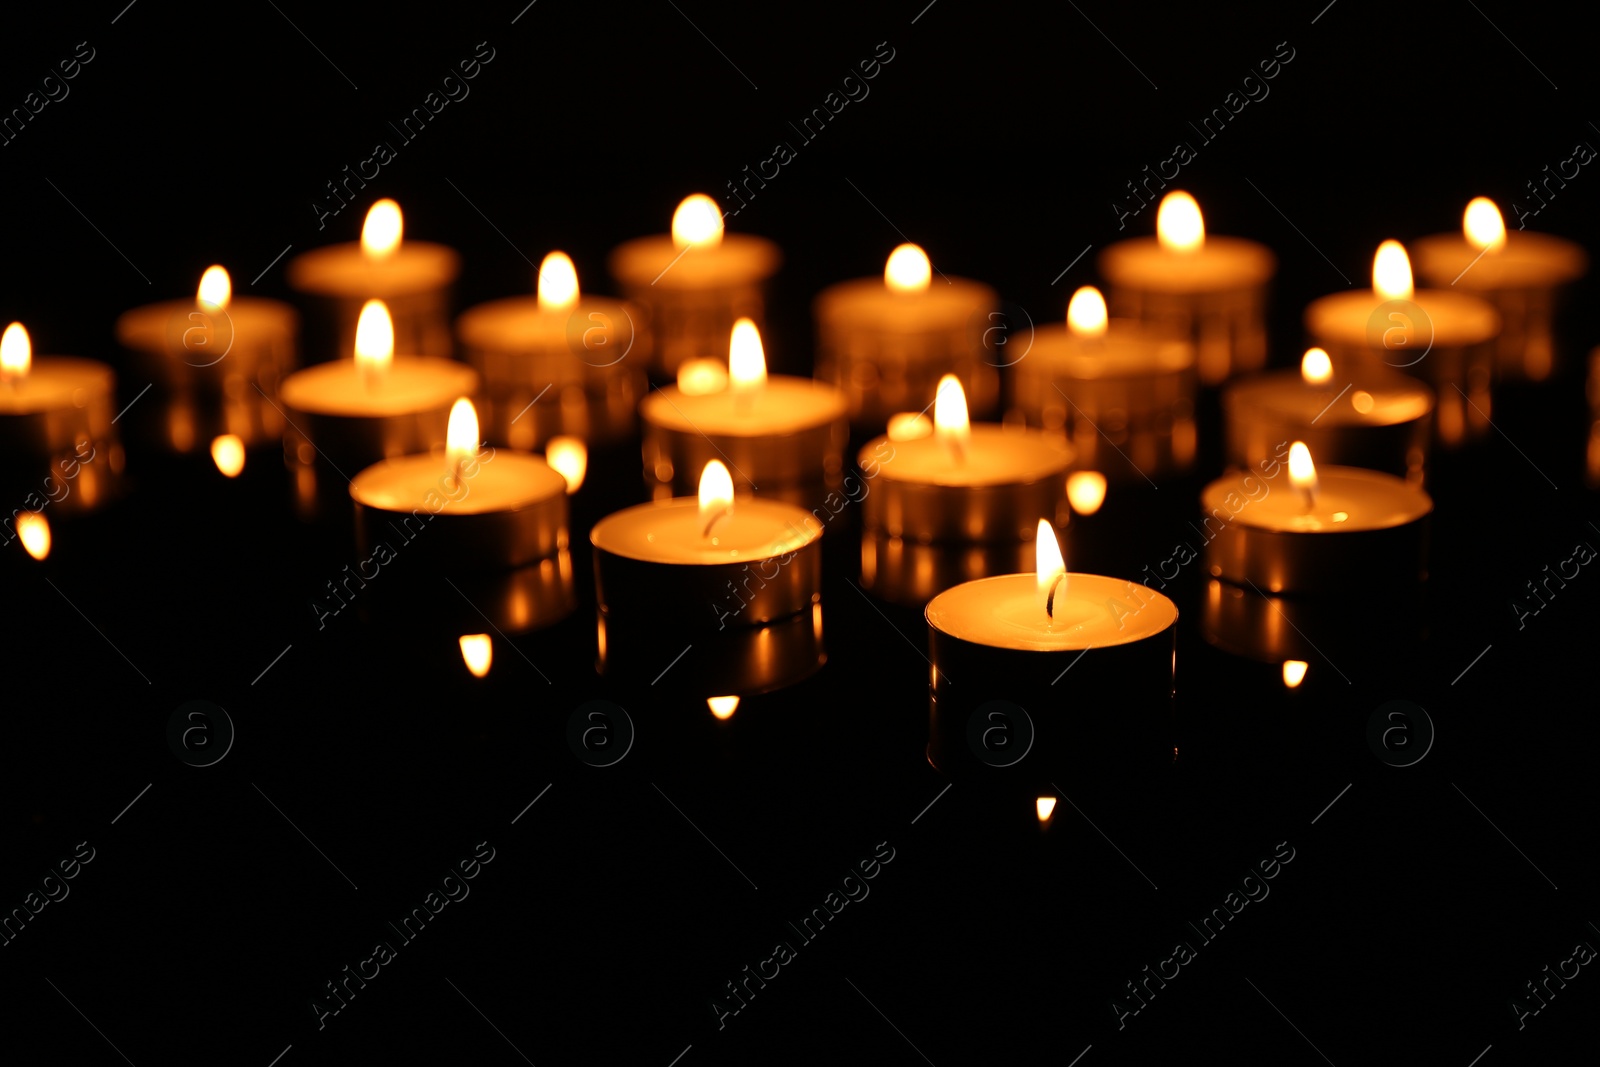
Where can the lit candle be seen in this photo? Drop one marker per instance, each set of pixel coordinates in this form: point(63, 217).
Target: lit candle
point(217, 361)
point(559, 362)
point(1053, 644)
point(481, 507)
point(1122, 392)
point(412, 277)
point(58, 444)
point(1518, 272)
point(1377, 417)
point(1330, 528)
point(1210, 289)
point(349, 413)
point(1439, 334)
point(887, 341)
point(780, 436)
point(694, 284)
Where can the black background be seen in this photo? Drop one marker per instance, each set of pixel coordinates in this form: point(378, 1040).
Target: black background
point(998, 138)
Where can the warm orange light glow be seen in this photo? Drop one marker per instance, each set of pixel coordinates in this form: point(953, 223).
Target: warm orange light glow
point(909, 426)
point(1315, 367)
point(1294, 672)
point(1391, 272)
point(1050, 568)
point(701, 377)
point(908, 270)
point(723, 707)
point(380, 233)
point(697, 223)
point(216, 289)
point(34, 532)
point(477, 650)
point(1086, 491)
point(1086, 313)
point(569, 458)
point(950, 416)
point(716, 494)
point(1362, 401)
point(1483, 225)
point(227, 452)
point(461, 438)
point(374, 338)
point(1179, 225)
point(747, 362)
point(558, 282)
point(1046, 807)
point(16, 352)
point(1302, 472)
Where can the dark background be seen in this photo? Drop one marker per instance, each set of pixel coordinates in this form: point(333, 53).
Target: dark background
point(998, 137)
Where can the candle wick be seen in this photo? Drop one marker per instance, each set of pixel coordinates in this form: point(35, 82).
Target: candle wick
point(714, 519)
point(1050, 597)
point(1311, 498)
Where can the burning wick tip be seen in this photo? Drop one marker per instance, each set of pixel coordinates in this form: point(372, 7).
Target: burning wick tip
point(1050, 597)
point(714, 520)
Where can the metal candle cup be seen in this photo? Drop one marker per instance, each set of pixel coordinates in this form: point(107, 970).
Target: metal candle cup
point(414, 280)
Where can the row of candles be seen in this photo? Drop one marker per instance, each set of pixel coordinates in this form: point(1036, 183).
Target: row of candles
point(735, 456)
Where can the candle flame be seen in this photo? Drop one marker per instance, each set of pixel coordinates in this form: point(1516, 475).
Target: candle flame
point(227, 452)
point(702, 377)
point(716, 494)
point(950, 421)
point(1294, 672)
point(1050, 569)
point(1483, 226)
point(1315, 367)
point(1391, 272)
point(461, 432)
point(723, 707)
point(1302, 472)
point(697, 223)
point(477, 651)
point(16, 351)
point(380, 233)
point(1045, 807)
point(1179, 224)
point(747, 362)
point(558, 282)
point(909, 426)
point(216, 289)
point(1086, 491)
point(34, 530)
point(1086, 313)
point(908, 270)
point(568, 457)
point(374, 337)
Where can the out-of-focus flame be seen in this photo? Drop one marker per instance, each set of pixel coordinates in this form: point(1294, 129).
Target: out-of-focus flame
point(374, 338)
point(697, 223)
point(380, 233)
point(1045, 807)
point(569, 457)
point(1086, 491)
point(1294, 672)
point(461, 438)
point(950, 421)
point(723, 707)
point(16, 352)
point(908, 270)
point(558, 282)
point(909, 426)
point(227, 452)
point(477, 650)
point(34, 531)
point(1483, 225)
point(716, 494)
point(1179, 224)
point(1391, 272)
point(747, 362)
point(1302, 472)
point(1315, 367)
point(216, 289)
point(1086, 313)
point(701, 377)
point(1050, 568)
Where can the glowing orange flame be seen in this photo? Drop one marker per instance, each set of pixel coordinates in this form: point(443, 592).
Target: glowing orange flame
point(950, 420)
point(1294, 672)
point(747, 362)
point(16, 352)
point(1391, 272)
point(1482, 224)
point(908, 270)
point(1050, 568)
point(1315, 367)
point(558, 282)
point(716, 494)
point(477, 651)
point(1086, 491)
point(723, 707)
point(374, 338)
point(569, 457)
point(382, 229)
point(1179, 224)
point(1086, 313)
point(227, 452)
point(34, 530)
point(697, 223)
point(216, 289)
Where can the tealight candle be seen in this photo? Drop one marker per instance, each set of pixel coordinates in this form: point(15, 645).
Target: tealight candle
point(965, 482)
point(1335, 526)
point(413, 278)
point(1053, 644)
point(1208, 288)
point(717, 666)
point(705, 559)
point(780, 436)
point(694, 284)
point(56, 428)
point(1517, 272)
point(887, 342)
point(1299, 630)
point(557, 363)
point(1437, 334)
point(495, 507)
point(218, 360)
point(1379, 419)
point(1122, 392)
point(349, 413)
